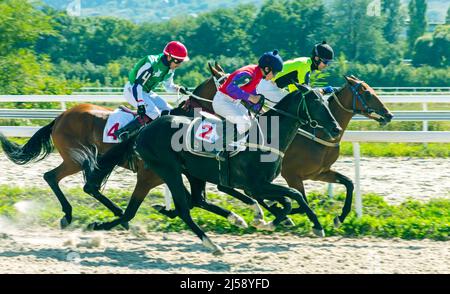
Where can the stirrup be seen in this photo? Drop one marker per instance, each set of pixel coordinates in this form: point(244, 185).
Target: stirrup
point(220, 155)
point(122, 136)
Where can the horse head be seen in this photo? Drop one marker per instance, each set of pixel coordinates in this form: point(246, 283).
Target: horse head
point(311, 110)
point(359, 98)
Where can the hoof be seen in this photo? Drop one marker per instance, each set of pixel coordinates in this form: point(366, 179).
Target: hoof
point(337, 222)
point(158, 207)
point(237, 220)
point(126, 226)
point(319, 233)
point(92, 226)
point(216, 249)
point(288, 222)
point(262, 225)
point(64, 222)
point(258, 223)
point(95, 227)
point(218, 252)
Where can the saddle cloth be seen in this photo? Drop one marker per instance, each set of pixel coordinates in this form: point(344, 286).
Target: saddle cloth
point(116, 120)
point(208, 134)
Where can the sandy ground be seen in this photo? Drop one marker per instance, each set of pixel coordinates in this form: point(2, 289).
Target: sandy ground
point(394, 178)
point(40, 250)
point(44, 250)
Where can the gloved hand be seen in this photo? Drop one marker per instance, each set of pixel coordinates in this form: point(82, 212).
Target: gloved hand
point(258, 106)
point(327, 90)
point(183, 89)
point(141, 110)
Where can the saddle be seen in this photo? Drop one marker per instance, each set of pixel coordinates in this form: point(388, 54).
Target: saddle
point(208, 135)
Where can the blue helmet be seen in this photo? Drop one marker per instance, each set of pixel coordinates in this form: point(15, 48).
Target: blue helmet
point(271, 60)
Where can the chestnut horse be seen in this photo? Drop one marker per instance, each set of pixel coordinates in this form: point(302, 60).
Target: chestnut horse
point(83, 126)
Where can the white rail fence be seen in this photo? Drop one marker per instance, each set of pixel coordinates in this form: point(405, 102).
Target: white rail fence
point(350, 136)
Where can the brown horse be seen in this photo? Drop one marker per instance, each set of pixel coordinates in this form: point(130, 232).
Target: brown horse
point(307, 158)
point(83, 126)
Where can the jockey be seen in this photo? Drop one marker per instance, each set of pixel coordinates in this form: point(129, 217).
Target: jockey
point(300, 69)
point(146, 74)
point(241, 85)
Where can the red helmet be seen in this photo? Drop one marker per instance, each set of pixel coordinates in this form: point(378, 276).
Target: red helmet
point(176, 50)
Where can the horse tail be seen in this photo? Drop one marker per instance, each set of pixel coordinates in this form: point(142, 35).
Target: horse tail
point(97, 168)
point(38, 147)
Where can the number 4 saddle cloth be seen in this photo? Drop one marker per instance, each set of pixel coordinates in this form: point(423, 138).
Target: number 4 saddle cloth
point(117, 120)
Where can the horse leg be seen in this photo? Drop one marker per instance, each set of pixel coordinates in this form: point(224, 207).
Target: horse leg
point(53, 178)
point(197, 198)
point(116, 210)
point(296, 182)
point(198, 190)
point(171, 175)
point(258, 219)
point(146, 180)
point(272, 191)
point(335, 177)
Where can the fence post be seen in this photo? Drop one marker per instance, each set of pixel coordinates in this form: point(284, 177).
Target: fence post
point(167, 197)
point(358, 200)
point(425, 122)
point(330, 190)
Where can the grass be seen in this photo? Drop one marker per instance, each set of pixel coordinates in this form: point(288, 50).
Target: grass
point(409, 220)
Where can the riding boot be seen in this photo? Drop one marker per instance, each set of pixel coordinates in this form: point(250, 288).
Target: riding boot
point(165, 112)
point(130, 129)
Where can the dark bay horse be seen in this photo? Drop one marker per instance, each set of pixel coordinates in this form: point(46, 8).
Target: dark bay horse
point(247, 171)
point(311, 160)
point(83, 126)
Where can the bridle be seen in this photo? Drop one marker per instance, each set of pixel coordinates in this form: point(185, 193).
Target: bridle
point(314, 124)
point(357, 96)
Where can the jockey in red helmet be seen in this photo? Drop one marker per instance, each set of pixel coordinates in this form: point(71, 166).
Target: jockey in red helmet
point(145, 76)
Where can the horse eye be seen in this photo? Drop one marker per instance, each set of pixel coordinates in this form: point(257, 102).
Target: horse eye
point(367, 94)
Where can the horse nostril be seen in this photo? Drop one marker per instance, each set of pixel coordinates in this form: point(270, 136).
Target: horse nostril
point(388, 116)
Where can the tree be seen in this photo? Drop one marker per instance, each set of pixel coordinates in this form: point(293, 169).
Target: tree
point(21, 70)
point(21, 25)
point(360, 35)
point(394, 20)
point(423, 51)
point(417, 21)
point(447, 19)
point(441, 45)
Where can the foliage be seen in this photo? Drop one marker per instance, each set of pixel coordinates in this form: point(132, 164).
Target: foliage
point(409, 220)
point(418, 23)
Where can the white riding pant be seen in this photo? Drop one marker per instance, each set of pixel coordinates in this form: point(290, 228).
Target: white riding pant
point(271, 91)
point(154, 104)
point(233, 111)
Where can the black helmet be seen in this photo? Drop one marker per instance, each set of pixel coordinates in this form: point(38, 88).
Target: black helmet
point(271, 60)
point(323, 51)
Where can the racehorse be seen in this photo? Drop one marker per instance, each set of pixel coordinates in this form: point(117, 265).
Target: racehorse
point(248, 172)
point(308, 156)
point(82, 127)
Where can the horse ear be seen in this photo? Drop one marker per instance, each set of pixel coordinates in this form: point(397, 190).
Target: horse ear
point(353, 77)
point(347, 79)
point(210, 67)
point(218, 67)
point(300, 87)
